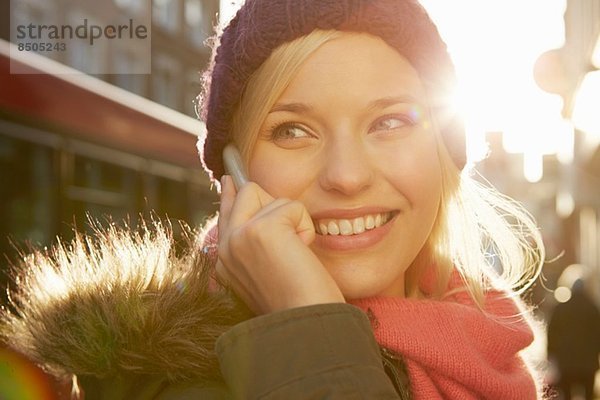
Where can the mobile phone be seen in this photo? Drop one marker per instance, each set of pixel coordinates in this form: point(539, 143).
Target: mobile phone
point(234, 165)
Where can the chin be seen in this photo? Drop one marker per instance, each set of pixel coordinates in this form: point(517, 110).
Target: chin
point(359, 278)
point(361, 288)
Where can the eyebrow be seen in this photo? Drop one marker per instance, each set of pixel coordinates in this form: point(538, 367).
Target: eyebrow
point(384, 102)
point(299, 108)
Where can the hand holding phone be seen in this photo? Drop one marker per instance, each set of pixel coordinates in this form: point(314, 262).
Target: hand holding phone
point(268, 276)
point(234, 165)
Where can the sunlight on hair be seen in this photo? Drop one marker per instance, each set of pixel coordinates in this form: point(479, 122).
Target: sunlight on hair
point(503, 235)
point(54, 285)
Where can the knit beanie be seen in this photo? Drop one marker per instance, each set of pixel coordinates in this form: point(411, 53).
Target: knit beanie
point(260, 26)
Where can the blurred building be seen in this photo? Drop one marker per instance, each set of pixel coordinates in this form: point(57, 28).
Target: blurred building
point(179, 31)
point(581, 60)
point(566, 201)
point(75, 146)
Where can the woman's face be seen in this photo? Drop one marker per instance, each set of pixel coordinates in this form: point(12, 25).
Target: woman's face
point(350, 139)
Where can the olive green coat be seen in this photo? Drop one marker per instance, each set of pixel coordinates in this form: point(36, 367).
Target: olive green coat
point(324, 351)
point(134, 319)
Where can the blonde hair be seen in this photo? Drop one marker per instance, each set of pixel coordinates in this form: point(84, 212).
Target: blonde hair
point(490, 239)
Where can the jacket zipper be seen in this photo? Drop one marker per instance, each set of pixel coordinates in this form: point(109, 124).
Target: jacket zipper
point(396, 370)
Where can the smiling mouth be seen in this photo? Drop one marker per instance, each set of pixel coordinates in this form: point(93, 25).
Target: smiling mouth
point(354, 226)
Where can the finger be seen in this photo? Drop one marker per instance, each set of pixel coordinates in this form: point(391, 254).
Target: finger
point(305, 227)
point(250, 199)
point(294, 214)
point(273, 208)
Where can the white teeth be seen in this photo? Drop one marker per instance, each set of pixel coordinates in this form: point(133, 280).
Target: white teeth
point(369, 222)
point(322, 228)
point(355, 226)
point(358, 225)
point(333, 228)
point(345, 227)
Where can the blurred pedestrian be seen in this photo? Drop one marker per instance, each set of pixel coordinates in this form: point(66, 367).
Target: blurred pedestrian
point(574, 342)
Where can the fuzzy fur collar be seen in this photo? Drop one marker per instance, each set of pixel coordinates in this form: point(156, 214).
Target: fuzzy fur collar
point(120, 302)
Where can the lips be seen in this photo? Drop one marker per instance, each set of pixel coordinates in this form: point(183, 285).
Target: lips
point(352, 230)
point(352, 226)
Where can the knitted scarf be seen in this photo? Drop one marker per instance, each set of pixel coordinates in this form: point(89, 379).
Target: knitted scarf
point(453, 349)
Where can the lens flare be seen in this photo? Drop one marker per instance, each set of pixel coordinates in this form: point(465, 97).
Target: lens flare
point(22, 380)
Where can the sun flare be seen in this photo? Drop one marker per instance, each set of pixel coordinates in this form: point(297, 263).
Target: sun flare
point(494, 45)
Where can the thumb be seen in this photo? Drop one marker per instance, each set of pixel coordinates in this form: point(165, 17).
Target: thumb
point(305, 228)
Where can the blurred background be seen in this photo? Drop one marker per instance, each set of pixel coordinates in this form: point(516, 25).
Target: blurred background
point(123, 145)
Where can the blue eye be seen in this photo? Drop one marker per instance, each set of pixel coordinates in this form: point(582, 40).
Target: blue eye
point(391, 122)
point(289, 131)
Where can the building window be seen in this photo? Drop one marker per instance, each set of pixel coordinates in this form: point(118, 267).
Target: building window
point(31, 12)
point(126, 60)
point(102, 190)
point(29, 193)
point(197, 25)
point(165, 85)
point(166, 14)
point(132, 6)
point(82, 56)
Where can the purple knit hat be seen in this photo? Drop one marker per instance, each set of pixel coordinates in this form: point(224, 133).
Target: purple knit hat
point(260, 26)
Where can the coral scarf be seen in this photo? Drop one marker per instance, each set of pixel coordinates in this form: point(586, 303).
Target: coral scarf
point(452, 349)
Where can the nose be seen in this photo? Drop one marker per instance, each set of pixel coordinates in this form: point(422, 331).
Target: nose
point(347, 167)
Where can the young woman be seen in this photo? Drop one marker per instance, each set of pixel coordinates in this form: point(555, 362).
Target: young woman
point(371, 266)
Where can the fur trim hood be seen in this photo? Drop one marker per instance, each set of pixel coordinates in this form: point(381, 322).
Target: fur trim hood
point(120, 302)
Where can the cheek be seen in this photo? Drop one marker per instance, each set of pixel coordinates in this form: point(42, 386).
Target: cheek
point(278, 172)
point(260, 172)
point(417, 175)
